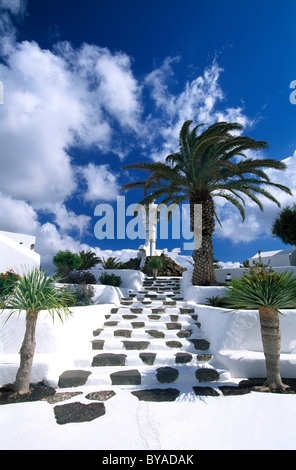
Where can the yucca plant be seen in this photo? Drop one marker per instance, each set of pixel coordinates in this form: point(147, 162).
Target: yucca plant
point(155, 264)
point(35, 291)
point(268, 291)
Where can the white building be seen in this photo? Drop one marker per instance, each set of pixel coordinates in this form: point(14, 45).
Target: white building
point(17, 252)
point(277, 258)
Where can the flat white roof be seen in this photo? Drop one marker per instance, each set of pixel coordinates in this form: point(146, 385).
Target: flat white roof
point(269, 254)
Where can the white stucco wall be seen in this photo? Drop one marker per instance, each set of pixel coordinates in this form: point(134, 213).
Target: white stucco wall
point(16, 256)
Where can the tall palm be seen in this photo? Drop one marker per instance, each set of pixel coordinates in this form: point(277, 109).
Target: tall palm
point(209, 164)
point(267, 291)
point(35, 291)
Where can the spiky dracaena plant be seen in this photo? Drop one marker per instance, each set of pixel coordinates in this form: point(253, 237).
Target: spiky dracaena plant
point(35, 291)
point(209, 165)
point(268, 291)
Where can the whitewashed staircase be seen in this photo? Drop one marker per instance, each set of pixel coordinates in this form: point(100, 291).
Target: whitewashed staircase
point(152, 339)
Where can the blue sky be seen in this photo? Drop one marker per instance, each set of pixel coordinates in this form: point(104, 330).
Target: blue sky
point(91, 86)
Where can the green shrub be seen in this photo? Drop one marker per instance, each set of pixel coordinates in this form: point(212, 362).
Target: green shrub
point(81, 295)
point(110, 280)
point(8, 281)
point(80, 277)
point(216, 301)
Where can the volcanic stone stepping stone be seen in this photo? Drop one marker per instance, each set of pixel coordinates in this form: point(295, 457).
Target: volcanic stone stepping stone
point(126, 377)
point(98, 344)
point(206, 391)
point(136, 309)
point(78, 412)
point(131, 345)
point(186, 310)
point(169, 302)
point(108, 359)
point(157, 394)
point(126, 302)
point(228, 390)
point(183, 358)
point(103, 395)
point(73, 378)
point(166, 374)
point(174, 318)
point(173, 326)
point(204, 357)
point(174, 344)
point(98, 331)
point(148, 358)
point(124, 333)
point(154, 317)
point(138, 324)
point(155, 333)
point(158, 310)
point(207, 375)
point(200, 344)
point(129, 317)
point(114, 310)
point(111, 323)
point(184, 333)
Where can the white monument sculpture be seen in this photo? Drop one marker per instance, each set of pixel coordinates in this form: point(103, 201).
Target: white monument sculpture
point(150, 219)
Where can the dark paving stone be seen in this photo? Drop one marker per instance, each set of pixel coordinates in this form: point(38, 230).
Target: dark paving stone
point(124, 333)
point(174, 344)
point(173, 326)
point(73, 378)
point(103, 395)
point(98, 331)
point(206, 391)
point(138, 324)
point(155, 333)
point(148, 358)
point(111, 323)
point(136, 310)
point(114, 310)
point(109, 359)
point(166, 374)
point(204, 357)
point(129, 317)
point(207, 375)
point(184, 333)
point(154, 317)
point(78, 412)
point(126, 377)
point(98, 344)
point(200, 344)
point(183, 358)
point(131, 345)
point(174, 318)
point(157, 394)
point(186, 310)
point(228, 390)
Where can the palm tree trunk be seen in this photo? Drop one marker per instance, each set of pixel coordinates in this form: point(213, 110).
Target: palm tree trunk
point(271, 339)
point(203, 269)
point(22, 382)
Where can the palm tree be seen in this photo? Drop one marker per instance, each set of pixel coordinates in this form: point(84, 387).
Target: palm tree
point(205, 167)
point(111, 263)
point(155, 264)
point(267, 291)
point(35, 291)
point(88, 260)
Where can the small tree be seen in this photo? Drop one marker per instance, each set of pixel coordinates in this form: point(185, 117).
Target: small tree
point(284, 226)
point(267, 291)
point(66, 261)
point(35, 291)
